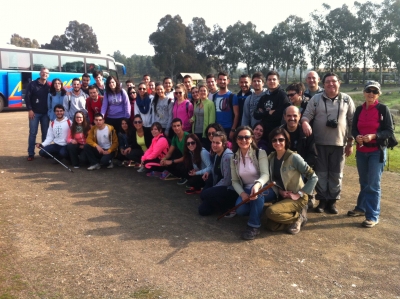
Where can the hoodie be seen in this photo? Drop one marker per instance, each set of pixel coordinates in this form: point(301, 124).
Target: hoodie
point(73, 103)
point(58, 132)
point(249, 107)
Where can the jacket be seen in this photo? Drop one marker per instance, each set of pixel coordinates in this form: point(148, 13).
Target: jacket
point(73, 103)
point(261, 164)
point(250, 105)
point(209, 115)
point(225, 170)
point(158, 148)
point(116, 105)
point(132, 140)
point(58, 132)
point(92, 138)
point(58, 98)
point(36, 96)
point(292, 170)
point(205, 162)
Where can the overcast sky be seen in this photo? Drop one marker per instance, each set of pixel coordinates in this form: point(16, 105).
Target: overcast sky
point(126, 25)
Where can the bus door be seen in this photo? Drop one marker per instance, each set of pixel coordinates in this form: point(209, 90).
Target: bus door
point(14, 92)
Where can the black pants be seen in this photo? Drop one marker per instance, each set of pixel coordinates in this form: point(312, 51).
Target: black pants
point(115, 122)
point(177, 169)
point(136, 155)
point(95, 157)
point(74, 150)
point(217, 200)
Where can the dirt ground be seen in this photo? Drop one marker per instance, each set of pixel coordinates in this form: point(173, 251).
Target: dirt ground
point(114, 233)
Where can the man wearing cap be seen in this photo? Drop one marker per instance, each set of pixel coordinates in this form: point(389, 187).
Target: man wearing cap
point(332, 112)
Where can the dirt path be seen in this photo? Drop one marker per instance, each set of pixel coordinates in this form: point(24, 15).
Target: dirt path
point(118, 234)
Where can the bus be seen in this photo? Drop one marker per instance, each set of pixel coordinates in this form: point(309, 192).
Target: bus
point(19, 66)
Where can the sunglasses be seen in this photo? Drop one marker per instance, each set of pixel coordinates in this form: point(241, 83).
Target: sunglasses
point(142, 88)
point(240, 137)
point(191, 143)
point(178, 92)
point(137, 122)
point(291, 94)
point(374, 91)
point(132, 93)
point(281, 140)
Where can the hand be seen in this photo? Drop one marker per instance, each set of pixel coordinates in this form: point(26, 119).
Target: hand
point(244, 195)
point(205, 176)
point(192, 172)
point(284, 194)
point(127, 151)
point(359, 139)
point(271, 112)
point(367, 138)
point(81, 146)
point(73, 141)
point(306, 128)
point(294, 196)
point(231, 135)
point(191, 121)
point(39, 145)
point(348, 149)
point(31, 114)
point(254, 190)
point(99, 149)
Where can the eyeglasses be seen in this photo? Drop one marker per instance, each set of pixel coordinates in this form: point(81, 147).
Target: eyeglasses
point(291, 94)
point(329, 82)
point(374, 91)
point(142, 88)
point(178, 92)
point(189, 143)
point(281, 140)
point(211, 133)
point(247, 137)
point(59, 111)
point(137, 122)
point(132, 93)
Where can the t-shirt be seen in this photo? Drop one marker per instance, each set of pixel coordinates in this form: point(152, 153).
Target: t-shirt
point(141, 142)
point(179, 144)
point(294, 138)
point(102, 138)
point(277, 173)
point(199, 124)
point(224, 114)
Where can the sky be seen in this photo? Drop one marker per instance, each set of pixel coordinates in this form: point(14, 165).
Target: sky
point(126, 25)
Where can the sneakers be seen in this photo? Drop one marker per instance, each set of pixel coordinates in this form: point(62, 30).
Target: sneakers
point(355, 213)
point(111, 165)
point(369, 223)
point(76, 167)
point(250, 233)
point(165, 175)
point(142, 169)
point(295, 227)
point(230, 215)
point(155, 174)
point(192, 191)
point(95, 166)
point(182, 181)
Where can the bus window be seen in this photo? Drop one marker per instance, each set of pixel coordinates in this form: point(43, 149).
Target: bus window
point(15, 60)
point(71, 64)
point(95, 64)
point(44, 60)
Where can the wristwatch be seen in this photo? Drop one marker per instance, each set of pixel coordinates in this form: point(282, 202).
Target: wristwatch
point(300, 193)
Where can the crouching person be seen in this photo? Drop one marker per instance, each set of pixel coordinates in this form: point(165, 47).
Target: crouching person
point(56, 139)
point(101, 144)
point(286, 170)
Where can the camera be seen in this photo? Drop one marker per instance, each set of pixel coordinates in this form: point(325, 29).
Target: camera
point(332, 123)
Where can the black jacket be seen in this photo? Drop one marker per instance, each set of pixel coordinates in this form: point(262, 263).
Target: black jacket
point(148, 137)
point(36, 96)
point(241, 99)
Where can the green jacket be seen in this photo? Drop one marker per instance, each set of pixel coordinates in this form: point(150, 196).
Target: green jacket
point(293, 167)
point(209, 115)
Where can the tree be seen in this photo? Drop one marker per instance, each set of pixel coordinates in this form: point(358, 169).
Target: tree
point(20, 41)
point(314, 41)
point(216, 50)
point(77, 37)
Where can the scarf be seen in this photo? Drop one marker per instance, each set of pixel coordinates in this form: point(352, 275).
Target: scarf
point(143, 105)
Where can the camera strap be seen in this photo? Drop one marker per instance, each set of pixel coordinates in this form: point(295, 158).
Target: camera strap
point(338, 109)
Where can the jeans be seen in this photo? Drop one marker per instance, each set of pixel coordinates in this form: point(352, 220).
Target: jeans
point(370, 172)
point(44, 120)
point(57, 151)
point(74, 150)
point(255, 207)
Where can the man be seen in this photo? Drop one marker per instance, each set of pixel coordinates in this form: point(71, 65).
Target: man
point(251, 102)
point(56, 139)
point(226, 106)
point(98, 77)
point(76, 101)
point(85, 83)
point(244, 92)
point(188, 82)
point(312, 80)
point(299, 142)
point(295, 93)
point(93, 103)
point(101, 144)
point(36, 103)
point(271, 105)
point(129, 83)
point(211, 85)
point(332, 112)
point(173, 160)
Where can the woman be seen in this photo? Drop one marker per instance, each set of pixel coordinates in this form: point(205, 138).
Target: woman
point(116, 104)
point(182, 107)
point(295, 93)
point(168, 84)
point(218, 195)
point(249, 169)
point(287, 169)
point(258, 131)
point(157, 150)
point(204, 111)
point(210, 130)
point(124, 136)
point(162, 107)
point(77, 137)
point(152, 88)
point(372, 126)
point(56, 96)
point(143, 105)
point(132, 99)
point(197, 162)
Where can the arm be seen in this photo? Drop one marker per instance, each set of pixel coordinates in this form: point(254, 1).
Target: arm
point(235, 121)
point(104, 105)
point(170, 105)
point(66, 105)
point(157, 149)
point(259, 112)
point(90, 138)
point(264, 168)
point(89, 110)
point(236, 184)
point(225, 166)
point(246, 120)
point(205, 158)
point(114, 145)
point(386, 129)
point(306, 171)
point(308, 116)
point(350, 139)
point(49, 136)
point(127, 104)
point(49, 106)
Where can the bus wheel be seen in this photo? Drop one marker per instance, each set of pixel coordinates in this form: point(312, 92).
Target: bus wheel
point(1, 103)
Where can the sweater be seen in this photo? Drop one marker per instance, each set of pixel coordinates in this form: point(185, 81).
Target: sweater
point(116, 105)
point(184, 111)
point(58, 132)
point(209, 115)
point(73, 103)
point(163, 113)
point(250, 105)
point(158, 148)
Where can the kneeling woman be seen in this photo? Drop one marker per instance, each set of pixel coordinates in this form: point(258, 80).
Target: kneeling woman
point(218, 195)
point(249, 168)
point(287, 169)
point(197, 162)
point(157, 150)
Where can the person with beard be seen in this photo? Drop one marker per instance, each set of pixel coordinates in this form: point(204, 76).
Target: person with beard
point(93, 103)
point(76, 101)
point(85, 83)
point(244, 92)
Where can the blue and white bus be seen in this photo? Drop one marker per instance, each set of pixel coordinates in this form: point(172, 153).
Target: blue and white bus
point(19, 66)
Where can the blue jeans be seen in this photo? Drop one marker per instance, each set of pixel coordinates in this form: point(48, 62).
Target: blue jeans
point(44, 120)
point(255, 207)
point(370, 172)
point(57, 151)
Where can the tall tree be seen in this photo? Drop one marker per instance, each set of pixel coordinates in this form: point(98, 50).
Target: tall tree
point(57, 43)
point(216, 50)
point(20, 41)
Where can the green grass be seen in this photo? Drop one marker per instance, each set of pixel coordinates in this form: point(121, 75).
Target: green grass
point(147, 294)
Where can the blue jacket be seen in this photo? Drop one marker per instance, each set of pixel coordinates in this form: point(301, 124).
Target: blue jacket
point(52, 101)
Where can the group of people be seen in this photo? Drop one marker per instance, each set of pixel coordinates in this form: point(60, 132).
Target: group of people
point(224, 146)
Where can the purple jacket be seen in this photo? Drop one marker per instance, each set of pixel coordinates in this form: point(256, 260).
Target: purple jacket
point(116, 105)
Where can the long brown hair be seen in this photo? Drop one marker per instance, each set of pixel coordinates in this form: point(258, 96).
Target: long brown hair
point(85, 125)
point(190, 159)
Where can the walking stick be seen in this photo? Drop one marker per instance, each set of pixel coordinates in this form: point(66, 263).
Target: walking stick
point(41, 147)
point(247, 199)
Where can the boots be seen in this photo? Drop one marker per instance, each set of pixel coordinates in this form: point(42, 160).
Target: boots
point(331, 206)
point(321, 206)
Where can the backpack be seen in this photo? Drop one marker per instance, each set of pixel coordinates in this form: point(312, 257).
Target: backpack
point(391, 141)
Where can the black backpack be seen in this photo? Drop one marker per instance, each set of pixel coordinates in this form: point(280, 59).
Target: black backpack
point(391, 141)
